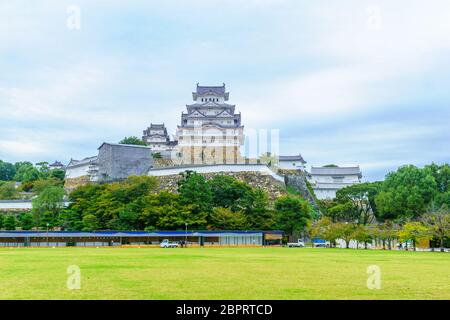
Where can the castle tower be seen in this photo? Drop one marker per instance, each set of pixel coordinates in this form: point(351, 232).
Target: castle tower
point(157, 138)
point(210, 131)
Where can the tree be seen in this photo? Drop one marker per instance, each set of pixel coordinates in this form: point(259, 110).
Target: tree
point(324, 229)
point(225, 219)
point(345, 231)
point(2, 220)
point(42, 184)
point(47, 205)
point(362, 234)
point(441, 175)
point(359, 197)
point(412, 231)
point(133, 141)
point(8, 191)
point(25, 221)
point(7, 171)
point(58, 174)
point(226, 191)
point(90, 222)
point(405, 194)
point(194, 189)
point(293, 214)
point(343, 212)
point(438, 225)
point(386, 232)
point(259, 215)
point(10, 223)
point(26, 172)
point(44, 169)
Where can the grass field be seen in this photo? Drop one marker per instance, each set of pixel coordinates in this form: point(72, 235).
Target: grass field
point(253, 273)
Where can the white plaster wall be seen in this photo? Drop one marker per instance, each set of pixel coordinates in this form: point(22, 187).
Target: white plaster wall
point(17, 205)
point(323, 194)
point(329, 179)
point(216, 169)
point(79, 171)
point(290, 165)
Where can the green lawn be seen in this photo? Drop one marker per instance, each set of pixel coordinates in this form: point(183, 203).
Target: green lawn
point(256, 273)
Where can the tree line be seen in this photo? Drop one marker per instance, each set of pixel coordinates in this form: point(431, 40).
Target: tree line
point(32, 178)
point(220, 203)
point(410, 204)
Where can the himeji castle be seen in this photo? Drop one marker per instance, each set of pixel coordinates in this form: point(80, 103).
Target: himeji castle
point(210, 131)
point(210, 134)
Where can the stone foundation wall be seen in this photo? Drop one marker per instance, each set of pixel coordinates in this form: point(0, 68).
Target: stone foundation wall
point(163, 163)
point(73, 183)
point(273, 187)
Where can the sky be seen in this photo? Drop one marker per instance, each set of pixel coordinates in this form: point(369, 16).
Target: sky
point(349, 82)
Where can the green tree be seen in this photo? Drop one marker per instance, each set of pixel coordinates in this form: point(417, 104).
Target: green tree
point(405, 194)
point(228, 192)
point(386, 232)
point(360, 197)
point(58, 174)
point(70, 220)
point(438, 225)
point(42, 184)
point(7, 171)
point(260, 216)
point(324, 229)
point(47, 206)
point(2, 220)
point(412, 231)
point(44, 169)
point(293, 214)
point(25, 172)
point(441, 174)
point(133, 141)
point(195, 190)
point(225, 219)
point(8, 191)
point(90, 222)
point(345, 231)
point(10, 223)
point(157, 155)
point(362, 234)
point(343, 212)
point(25, 221)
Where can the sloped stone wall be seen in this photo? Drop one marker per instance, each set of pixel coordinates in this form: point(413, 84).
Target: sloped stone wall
point(273, 187)
point(297, 181)
point(73, 183)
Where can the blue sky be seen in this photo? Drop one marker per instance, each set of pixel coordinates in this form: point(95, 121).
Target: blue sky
point(345, 82)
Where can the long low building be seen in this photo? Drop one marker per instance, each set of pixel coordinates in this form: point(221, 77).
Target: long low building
point(19, 205)
point(218, 168)
point(114, 238)
point(326, 181)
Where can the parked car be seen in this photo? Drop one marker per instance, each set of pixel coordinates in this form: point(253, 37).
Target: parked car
point(319, 243)
point(298, 244)
point(167, 244)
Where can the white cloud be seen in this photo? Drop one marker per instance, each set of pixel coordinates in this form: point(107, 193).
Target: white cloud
point(288, 63)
